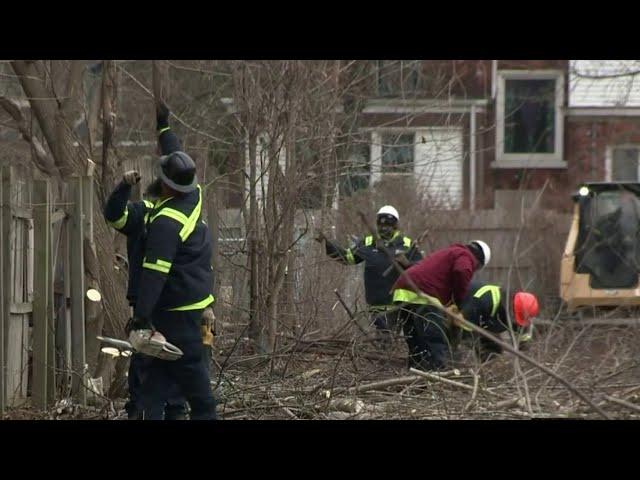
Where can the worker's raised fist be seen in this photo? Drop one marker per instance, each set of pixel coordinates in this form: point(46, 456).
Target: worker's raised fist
point(131, 177)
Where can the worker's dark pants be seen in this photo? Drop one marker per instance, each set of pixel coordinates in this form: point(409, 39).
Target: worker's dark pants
point(386, 323)
point(426, 336)
point(385, 319)
point(172, 405)
point(189, 372)
point(485, 347)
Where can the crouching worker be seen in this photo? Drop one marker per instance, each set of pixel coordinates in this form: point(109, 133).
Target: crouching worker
point(441, 278)
point(484, 306)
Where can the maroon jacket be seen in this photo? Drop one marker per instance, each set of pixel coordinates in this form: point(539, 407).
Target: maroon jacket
point(445, 274)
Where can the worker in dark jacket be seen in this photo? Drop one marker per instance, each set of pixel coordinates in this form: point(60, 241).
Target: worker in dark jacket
point(175, 285)
point(439, 280)
point(379, 272)
point(484, 305)
point(131, 219)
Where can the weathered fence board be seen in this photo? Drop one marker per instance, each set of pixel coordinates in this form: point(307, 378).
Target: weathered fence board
point(17, 274)
point(76, 239)
point(42, 227)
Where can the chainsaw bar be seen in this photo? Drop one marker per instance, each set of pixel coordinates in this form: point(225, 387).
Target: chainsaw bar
point(122, 345)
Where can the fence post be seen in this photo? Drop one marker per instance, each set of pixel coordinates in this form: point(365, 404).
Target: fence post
point(66, 322)
point(3, 292)
point(43, 281)
point(76, 243)
point(51, 322)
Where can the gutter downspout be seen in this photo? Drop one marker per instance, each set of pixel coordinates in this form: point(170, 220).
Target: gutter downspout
point(494, 78)
point(472, 159)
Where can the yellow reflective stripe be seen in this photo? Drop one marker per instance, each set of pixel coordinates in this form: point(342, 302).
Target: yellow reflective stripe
point(163, 130)
point(171, 213)
point(202, 304)
point(122, 221)
point(395, 234)
point(408, 296)
point(159, 203)
point(190, 226)
point(407, 242)
point(149, 206)
point(495, 296)
point(153, 266)
point(350, 258)
point(188, 223)
point(160, 265)
point(368, 240)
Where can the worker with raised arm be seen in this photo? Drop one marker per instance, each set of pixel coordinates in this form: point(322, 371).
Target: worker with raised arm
point(376, 251)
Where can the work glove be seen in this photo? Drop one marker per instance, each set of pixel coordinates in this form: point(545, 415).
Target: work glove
point(131, 177)
point(456, 311)
point(162, 115)
point(135, 323)
point(208, 326)
point(208, 319)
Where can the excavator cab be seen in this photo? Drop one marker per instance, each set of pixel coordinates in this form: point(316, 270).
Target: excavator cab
point(600, 266)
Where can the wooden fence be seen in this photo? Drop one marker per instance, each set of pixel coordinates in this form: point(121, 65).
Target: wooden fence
point(42, 292)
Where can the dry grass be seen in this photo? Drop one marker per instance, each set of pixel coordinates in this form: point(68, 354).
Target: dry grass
point(350, 378)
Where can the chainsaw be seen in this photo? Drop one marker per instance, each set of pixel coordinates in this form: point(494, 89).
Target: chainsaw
point(146, 342)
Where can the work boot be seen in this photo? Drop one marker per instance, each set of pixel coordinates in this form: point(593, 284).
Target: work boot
point(134, 415)
point(175, 410)
point(175, 416)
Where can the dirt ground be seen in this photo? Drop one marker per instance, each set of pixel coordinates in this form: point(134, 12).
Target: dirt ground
point(324, 378)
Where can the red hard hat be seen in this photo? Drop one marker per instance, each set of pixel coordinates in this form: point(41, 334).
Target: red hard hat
point(525, 307)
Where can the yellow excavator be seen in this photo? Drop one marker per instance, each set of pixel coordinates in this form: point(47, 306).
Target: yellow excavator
point(600, 267)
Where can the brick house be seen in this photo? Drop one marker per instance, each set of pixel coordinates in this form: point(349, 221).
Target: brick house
point(502, 125)
point(466, 129)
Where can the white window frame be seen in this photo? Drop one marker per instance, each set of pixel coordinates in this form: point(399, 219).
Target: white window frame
point(376, 153)
point(530, 160)
point(608, 163)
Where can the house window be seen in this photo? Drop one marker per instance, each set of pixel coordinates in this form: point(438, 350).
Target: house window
point(397, 153)
point(357, 171)
point(529, 119)
point(398, 77)
point(529, 125)
point(625, 164)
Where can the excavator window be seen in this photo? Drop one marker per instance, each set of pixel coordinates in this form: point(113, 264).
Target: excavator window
point(608, 240)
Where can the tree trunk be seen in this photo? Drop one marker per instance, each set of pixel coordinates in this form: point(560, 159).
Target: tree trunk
point(55, 120)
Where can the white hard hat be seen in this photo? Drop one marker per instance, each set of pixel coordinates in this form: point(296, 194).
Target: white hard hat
point(486, 251)
point(389, 210)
